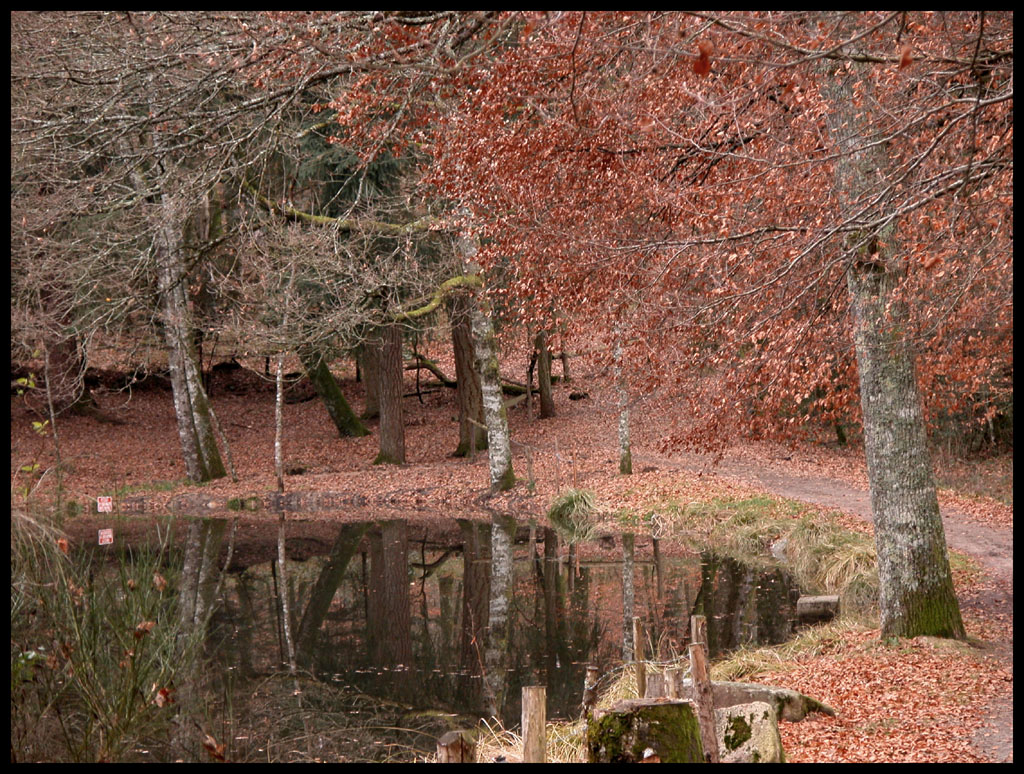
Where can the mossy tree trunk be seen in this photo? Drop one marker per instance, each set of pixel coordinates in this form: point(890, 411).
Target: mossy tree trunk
point(330, 393)
point(916, 594)
point(499, 441)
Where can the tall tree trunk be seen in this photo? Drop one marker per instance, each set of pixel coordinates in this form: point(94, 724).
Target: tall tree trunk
point(392, 422)
point(625, 450)
point(499, 441)
point(547, 402)
point(472, 430)
point(326, 387)
point(191, 406)
point(369, 355)
point(916, 593)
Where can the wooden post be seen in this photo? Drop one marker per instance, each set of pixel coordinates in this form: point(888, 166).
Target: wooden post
point(456, 747)
point(671, 683)
point(699, 632)
point(704, 701)
point(534, 723)
point(638, 657)
point(590, 689)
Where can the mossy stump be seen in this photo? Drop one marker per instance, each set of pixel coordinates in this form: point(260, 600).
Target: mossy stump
point(635, 729)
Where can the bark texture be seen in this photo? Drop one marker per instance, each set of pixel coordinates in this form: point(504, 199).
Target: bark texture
point(391, 383)
point(369, 355)
point(499, 442)
point(916, 587)
point(547, 401)
point(191, 406)
point(472, 430)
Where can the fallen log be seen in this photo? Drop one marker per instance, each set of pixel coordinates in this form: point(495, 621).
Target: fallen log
point(817, 609)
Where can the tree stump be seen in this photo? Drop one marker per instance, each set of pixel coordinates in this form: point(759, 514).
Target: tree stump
point(637, 729)
point(457, 747)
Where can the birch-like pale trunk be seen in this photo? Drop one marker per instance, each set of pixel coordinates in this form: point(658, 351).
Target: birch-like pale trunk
point(916, 594)
point(499, 439)
point(191, 406)
point(622, 394)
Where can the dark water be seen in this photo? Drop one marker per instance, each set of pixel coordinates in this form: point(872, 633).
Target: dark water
point(453, 617)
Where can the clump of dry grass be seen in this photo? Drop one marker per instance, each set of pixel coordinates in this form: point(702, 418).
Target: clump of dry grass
point(573, 514)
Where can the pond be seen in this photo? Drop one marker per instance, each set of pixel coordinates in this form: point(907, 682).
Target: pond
point(402, 628)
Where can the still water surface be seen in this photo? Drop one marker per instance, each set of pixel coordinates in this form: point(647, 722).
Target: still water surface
point(404, 627)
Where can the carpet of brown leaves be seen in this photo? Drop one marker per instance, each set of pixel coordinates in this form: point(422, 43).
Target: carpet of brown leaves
point(913, 702)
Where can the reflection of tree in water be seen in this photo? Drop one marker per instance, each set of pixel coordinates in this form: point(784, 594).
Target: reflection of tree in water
point(411, 625)
point(744, 603)
point(476, 589)
point(555, 633)
point(389, 618)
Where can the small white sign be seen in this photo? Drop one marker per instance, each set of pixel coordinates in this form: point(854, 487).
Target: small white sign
point(106, 537)
point(104, 505)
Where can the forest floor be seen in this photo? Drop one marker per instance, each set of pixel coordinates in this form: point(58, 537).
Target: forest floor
point(922, 700)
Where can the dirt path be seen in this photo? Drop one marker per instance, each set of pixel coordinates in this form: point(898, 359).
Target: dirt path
point(992, 548)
